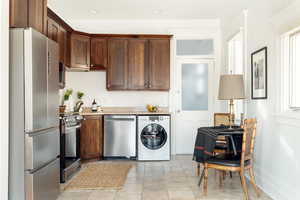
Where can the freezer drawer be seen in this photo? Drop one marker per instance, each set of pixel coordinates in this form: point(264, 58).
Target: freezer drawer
point(44, 183)
point(41, 148)
point(119, 136)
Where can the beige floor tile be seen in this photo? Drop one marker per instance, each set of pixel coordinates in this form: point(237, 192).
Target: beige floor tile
point(102, 195)
point(78, 195)
point(181, 195)
point(132, 188)
point(168, 180)
point(157, 195)
point(128, 196)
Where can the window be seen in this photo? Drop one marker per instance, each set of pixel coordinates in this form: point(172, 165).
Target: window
point(236, 65)
point(195, 47)
point(290, 71)
point(235, 54)
point(294, 70)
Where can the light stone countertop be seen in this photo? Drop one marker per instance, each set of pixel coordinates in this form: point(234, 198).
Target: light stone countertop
point(124, 111)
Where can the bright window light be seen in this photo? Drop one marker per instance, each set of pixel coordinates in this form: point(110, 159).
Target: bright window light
point(294, 70)
point(236, 65)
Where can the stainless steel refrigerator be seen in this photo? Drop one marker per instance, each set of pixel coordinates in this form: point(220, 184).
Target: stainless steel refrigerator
point(34, 123)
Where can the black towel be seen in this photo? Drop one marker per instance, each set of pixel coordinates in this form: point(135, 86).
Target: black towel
point(206, 141)
point(205, 144)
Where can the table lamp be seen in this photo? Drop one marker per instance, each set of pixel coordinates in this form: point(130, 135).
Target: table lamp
point(231, 88)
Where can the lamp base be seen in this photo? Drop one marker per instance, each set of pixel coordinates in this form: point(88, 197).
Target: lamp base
point(231, 112)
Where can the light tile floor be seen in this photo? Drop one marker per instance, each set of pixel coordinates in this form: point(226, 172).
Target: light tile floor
point(167, 180)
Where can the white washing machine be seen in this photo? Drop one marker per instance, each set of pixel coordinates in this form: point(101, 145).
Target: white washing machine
point(153, 137)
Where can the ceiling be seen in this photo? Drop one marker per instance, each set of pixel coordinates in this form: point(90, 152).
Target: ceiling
point(154, 9)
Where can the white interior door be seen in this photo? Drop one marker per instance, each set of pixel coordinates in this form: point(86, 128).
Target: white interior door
point(194, 101)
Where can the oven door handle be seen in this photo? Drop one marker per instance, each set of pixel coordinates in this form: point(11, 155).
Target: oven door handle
point(72, 128)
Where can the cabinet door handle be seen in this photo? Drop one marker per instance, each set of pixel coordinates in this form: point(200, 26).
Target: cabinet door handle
point(92, 65)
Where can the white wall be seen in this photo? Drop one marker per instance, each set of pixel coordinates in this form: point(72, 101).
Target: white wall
point(277, 161)
point(4, 99)
point(93, 84)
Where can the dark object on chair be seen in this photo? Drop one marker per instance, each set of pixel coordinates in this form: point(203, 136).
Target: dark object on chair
point(222, 143)
point(237, 164)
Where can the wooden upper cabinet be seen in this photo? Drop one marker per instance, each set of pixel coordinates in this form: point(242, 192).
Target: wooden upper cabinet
point(68, 49)
point(137, 64)
point(98, 53)
point(116, 75)
point(37, 16)
point(159, 64)
point(62, 41)
point(29, 13)
point(91, 137)
point(80, 51)
point(53, 30)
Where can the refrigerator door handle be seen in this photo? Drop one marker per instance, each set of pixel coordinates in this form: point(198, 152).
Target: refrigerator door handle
point(41, 131)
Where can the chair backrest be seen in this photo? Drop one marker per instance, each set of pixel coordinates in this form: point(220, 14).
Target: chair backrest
point(222, 119)
point(248, 140)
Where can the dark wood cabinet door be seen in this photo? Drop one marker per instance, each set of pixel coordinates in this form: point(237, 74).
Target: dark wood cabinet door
point(62, 41)
point(53, 30)
point(29, 13)
point(68, 50)
point(137, 64)
point(117, 64)
point(98, 53)
point(18, 13)
point(80, 51)
point(37, 15)
point(91, 138)
point(159, 64)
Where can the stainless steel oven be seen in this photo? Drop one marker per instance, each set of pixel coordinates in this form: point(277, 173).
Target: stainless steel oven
point(72, 141)
point(69, 145)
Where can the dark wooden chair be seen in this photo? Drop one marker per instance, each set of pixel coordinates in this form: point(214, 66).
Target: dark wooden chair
point(239, 164)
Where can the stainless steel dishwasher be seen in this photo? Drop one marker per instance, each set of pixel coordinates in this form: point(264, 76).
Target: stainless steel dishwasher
point(119, 136)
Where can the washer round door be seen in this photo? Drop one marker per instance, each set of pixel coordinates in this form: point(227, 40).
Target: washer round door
point(154, 136)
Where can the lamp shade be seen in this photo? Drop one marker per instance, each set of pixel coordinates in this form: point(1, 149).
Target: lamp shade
point(231, 87)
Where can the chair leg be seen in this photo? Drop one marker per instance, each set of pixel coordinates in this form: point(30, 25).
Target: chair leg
point(252, 180)
point(244, 185)
point(205, 179)
point(198, 169)
point(224, 175)
point(221, 173)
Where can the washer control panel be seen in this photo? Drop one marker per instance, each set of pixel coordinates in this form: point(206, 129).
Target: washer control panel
point(154, 118)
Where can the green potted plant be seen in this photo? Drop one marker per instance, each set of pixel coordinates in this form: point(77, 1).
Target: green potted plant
point(65, 100)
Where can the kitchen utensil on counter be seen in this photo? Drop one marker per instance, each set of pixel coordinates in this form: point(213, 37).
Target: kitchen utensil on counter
point(78, 106)
point(94, 106)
